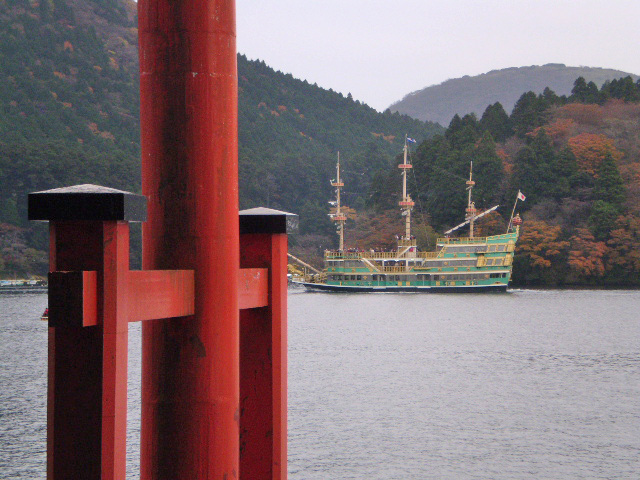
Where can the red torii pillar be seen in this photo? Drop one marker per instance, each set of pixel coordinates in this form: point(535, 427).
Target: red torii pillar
point(189, 143)
point(197, 364)
point(93, 296)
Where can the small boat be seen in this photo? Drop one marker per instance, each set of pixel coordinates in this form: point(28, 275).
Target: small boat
point(458, 264)
point(23, 286)
point(45, 315)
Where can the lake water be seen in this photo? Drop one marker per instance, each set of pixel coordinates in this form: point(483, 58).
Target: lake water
point(524, 385)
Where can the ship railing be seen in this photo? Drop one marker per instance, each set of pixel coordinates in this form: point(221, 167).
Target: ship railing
point(335, 254)
point(369, 255)
point(467, 240)
point(310, 277)
point(428, 254)
point(379, 255)
point(407, 243)
point(394, 269)
point(461, 240)
point(341, 254)
point(504, 236)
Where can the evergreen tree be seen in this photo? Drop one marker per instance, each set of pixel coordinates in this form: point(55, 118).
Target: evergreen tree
point(462, 131)
point(488, 172)
point(579, 92)
point(550, 97)
point(496, 121)
point(602, 219)
point(585, 92)
point(528, 113)
point(534, 169)
point(608, 185)
point(624, 89)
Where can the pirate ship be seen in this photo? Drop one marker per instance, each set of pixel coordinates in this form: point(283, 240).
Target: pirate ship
point(458, 264)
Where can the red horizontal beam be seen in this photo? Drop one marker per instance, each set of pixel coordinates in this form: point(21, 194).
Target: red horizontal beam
point(151, 295)
point(155, 294)
point(253, 288)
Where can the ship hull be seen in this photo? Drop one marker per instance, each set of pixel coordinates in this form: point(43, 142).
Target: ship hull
point(323, 287)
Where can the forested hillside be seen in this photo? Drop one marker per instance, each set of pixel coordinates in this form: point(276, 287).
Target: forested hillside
point(471, 94)
point(69, 113)
point(290, 133)
point(577, 160)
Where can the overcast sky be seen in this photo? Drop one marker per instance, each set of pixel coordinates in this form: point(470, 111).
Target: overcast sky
point(380, 50)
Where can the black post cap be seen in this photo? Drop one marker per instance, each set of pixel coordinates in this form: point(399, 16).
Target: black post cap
point(267, 220)
point(87, 202)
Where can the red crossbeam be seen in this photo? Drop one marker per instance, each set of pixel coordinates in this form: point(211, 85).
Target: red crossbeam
point(160, 294)
point(152, 294)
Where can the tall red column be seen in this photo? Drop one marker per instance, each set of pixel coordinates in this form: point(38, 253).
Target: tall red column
point(188, 91)
point(88, 319)
point(263, 348)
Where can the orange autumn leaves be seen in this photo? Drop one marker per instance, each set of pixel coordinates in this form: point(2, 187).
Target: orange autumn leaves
point(547, 246)
point(542, 243)
point(586, 255)
point(590, 149)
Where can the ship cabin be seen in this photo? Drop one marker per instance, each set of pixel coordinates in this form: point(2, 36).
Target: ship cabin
point(457, 262)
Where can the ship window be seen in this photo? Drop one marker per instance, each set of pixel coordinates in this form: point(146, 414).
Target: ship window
point(359, 277)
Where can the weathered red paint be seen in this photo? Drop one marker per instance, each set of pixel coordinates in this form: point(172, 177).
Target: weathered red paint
point(188, 90)
point(157, 294)
point(263, 364)
point(253, 288)
point(114, 360)
point(88, 365)
point(151, 294)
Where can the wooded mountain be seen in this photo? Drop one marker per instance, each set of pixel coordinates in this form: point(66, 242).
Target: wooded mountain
point(472, 94)
point(577, 160)
point(69, 114)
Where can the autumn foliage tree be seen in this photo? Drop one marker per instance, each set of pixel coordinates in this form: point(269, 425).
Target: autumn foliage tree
point(586, 256)
point(540, 253)
point(623, 256)
point(590, 149)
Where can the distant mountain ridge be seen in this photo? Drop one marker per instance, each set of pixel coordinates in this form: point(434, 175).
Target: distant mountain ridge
point(439, 103)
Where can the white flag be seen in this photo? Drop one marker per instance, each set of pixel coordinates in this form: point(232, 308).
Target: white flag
point(521, 197)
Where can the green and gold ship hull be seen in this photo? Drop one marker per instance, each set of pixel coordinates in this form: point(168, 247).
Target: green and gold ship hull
point(458, 265)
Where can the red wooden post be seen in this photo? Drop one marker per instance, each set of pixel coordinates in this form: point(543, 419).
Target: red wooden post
point(263, 348)
point(191, 415)
point(86, 416)
point(190, 366)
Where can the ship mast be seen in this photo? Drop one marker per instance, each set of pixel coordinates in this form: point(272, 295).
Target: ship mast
point(339, 217)
point(471, 207)
point(406, 203)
